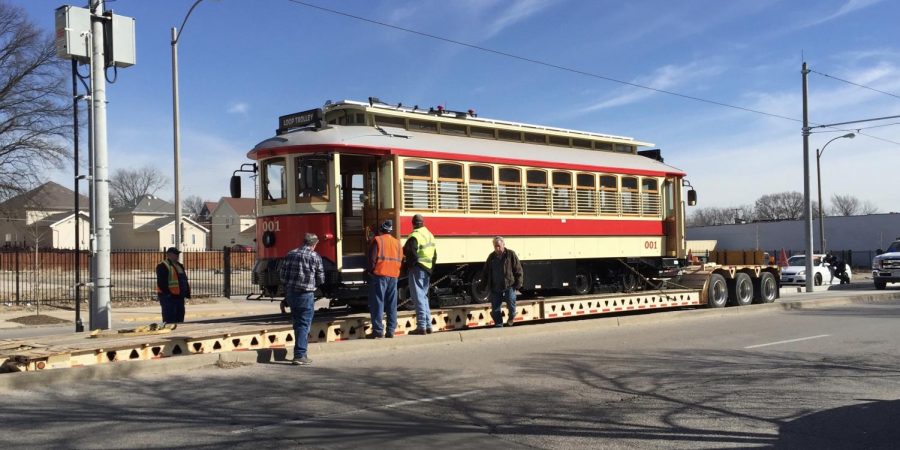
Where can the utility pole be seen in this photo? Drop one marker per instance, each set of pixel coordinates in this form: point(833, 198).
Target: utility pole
point(807, 224)
point(101, 317)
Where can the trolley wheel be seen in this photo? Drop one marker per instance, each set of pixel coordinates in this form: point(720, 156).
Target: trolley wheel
point(584, 282)
point(740, 290)
point(404, 299)
point(478, 294)
point(716, 292)
point(630, 281)
point(765, 289)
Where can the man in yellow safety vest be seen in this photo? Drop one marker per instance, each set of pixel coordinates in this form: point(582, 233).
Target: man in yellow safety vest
point(421, 254)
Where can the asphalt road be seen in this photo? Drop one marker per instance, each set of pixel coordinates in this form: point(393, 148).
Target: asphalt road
point(806, 378)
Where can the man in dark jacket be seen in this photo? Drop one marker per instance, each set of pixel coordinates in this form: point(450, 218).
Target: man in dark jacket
point(172, 287)
point(503, 275)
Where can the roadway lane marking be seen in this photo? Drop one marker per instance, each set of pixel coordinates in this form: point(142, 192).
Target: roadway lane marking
point(354, 411)
point(789, 341)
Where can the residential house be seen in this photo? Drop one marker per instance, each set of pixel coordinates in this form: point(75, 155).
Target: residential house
point(205, 218)
point(44, 216)
point(234, 222)
point(150, 225)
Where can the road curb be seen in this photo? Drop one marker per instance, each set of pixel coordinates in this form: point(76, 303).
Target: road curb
point(177, 364)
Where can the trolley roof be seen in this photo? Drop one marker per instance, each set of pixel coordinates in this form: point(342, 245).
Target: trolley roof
point(316, 134)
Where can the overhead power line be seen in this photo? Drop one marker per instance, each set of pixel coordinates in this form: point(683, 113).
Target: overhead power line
point(855, 84)
point(542, 63)
point(563, 68)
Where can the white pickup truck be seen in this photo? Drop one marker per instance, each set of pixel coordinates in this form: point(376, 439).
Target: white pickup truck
point(886, 266)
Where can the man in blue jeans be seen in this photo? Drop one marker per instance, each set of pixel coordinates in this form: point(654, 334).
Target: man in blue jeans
point(301, 273)
point(385, 256)
point(503, 275)
point(421, 255)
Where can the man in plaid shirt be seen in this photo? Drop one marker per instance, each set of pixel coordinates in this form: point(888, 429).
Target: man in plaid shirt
point(301, 272)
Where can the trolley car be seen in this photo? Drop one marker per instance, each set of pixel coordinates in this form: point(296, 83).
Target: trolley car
point(585, 212)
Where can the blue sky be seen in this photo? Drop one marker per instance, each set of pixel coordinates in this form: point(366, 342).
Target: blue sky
point(243, 63)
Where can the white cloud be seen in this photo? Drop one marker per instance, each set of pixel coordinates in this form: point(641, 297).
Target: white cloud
point(517, 12)
point(664, 78)
point(238, 108)
point(847, 8)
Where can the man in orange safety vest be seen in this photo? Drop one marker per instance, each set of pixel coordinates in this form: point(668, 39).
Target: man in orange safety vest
point(385, 257)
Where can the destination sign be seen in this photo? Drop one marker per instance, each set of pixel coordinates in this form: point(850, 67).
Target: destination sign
point(300, 119)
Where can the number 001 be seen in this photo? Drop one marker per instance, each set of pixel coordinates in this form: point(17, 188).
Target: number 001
point(650, 244)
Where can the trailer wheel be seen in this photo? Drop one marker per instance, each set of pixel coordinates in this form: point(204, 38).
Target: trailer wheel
point(716, 292)
point(765, 288)
point(741, 290)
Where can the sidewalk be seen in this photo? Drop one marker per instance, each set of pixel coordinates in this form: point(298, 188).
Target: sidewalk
point(220, 308)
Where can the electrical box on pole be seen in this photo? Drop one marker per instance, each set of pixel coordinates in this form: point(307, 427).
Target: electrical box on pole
point(121, 50)
point(72, 24)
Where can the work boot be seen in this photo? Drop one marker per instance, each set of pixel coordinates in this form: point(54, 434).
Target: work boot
point(374, 336)
point(418, 331)
point(301, 361)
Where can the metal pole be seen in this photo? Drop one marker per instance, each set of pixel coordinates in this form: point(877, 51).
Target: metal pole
point(807, 224)
point(177, 137)
point(79, 326)
point(819, 181)
point(100, 313)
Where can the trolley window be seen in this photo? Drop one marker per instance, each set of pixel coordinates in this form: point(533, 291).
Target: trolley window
point(585, 201)
point(609, 194)
point(417, 187)
point(509, 189)
point(562, 192)
point(481, 188)
point(450, 186)
point(650, 199)
point(537, 194)
point(311, 179)
point(630, 200)
point(274, 182)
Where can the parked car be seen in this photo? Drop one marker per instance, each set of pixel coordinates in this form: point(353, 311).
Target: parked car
point(886, 266)
point(795, 272)
point(242, 248)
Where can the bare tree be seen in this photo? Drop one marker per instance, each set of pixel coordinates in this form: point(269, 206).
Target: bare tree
point(34, 108)
point(192, 205)
point(868, 208)
point(780, 206)
point(844, 205)
point(128, 186)
point(713, 215)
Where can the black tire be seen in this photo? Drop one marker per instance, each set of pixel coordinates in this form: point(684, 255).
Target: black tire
point(584, 283)
point(740, 290)
point(630, 281)
point(716, 292)
point(765, 289)
point(880, 285)
point(817, 280)
point(478, 295)
point(404, 299)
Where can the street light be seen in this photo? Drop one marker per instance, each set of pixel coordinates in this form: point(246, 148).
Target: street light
point(175, 125)
point(819, 179)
